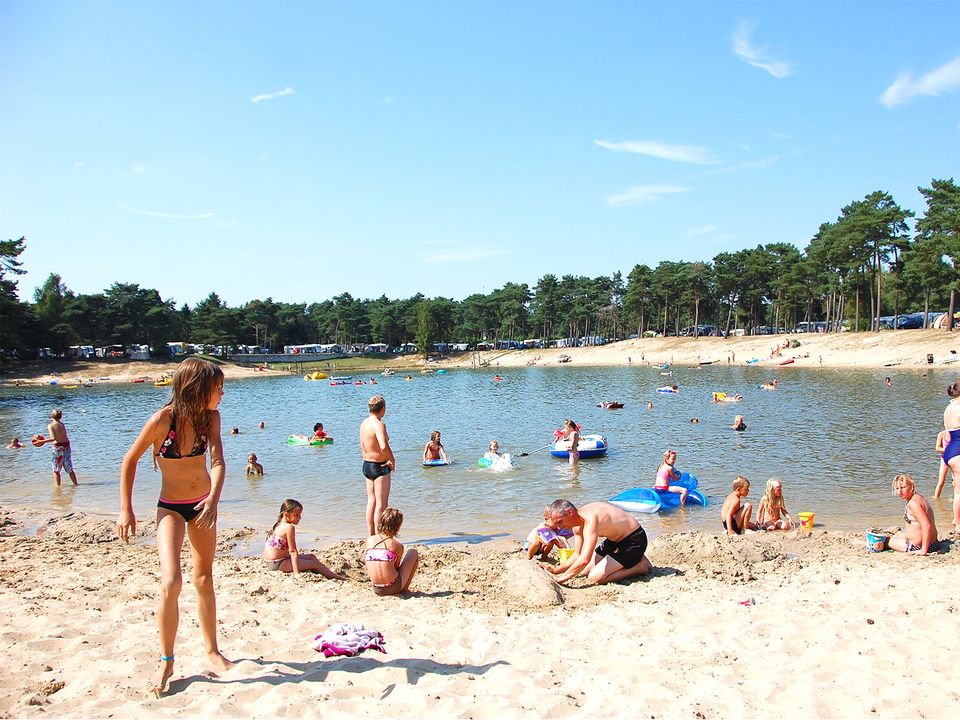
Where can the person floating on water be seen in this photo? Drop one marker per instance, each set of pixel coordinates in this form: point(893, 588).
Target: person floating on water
point(318, 432)
point(772, 385)
point(14, 444)
point(667, 473)
point(739, 424)
point(433, 450)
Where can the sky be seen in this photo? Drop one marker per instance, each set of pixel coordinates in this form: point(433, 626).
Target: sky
point(301, 150)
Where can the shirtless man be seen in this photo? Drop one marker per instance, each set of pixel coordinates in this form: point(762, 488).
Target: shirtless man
point(619, 556)
point(378, 460)
point(62, 459)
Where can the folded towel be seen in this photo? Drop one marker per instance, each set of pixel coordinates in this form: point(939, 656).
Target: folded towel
point(349, 640)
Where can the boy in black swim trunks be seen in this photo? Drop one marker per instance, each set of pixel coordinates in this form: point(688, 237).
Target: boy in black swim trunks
point(734, 516)
point(619, 556)
point(378, 460)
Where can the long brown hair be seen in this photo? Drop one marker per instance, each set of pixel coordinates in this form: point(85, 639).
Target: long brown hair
point(287, 506)
point(194, 383)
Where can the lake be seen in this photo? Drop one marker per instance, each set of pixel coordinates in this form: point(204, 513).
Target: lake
point(835, 437)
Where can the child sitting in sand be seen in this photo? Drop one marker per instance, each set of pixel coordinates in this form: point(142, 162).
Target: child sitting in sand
point(735, 517)
point(772, 513)
point(943, 438)
point(921, 530)
point(433, 450)
point(545, 537)
point(253, 467)
point(280, 552)
point(390, 571)
point(667, 473)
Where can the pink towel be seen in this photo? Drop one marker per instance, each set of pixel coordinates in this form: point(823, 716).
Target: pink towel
point(349, 640)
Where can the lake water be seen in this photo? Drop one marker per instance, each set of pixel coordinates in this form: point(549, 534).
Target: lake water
point(836, 438)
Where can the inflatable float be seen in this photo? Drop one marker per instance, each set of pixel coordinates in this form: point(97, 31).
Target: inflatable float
point(639, 500)
point(788, 361)
point(306, 440)
point(668, 390)
point(694, 497)
point(162, 383)
point(315, 376)
point(498, 464)
point(438, 462)
point(589, 446)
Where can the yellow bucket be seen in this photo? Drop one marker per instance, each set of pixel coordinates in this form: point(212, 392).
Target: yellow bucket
point(806, 520)
point(564, 554)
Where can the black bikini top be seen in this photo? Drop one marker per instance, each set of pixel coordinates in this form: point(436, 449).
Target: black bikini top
point(169, 448)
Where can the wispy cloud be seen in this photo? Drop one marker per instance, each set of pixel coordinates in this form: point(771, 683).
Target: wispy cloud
point(936, 82)
point(468, 254)
point(140, 168)
point(642, 194)
point(680, 153)
point(387, 100)
point(270, 96)
point(744, 49)
point(702, 230)
point(166, 216)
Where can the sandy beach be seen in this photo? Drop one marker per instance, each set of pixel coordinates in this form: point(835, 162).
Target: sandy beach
point(771, 625)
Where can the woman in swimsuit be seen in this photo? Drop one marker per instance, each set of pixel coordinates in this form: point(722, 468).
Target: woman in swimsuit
point(921, 529)
point(951, 453)
point(666, 473)
point(433, 450)
point(389, 569)
point(181, 433)
point(280, 552)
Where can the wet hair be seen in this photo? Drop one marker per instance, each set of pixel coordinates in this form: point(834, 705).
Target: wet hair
point(954, 390)
point(739, 482)
point(194, 383)
point(56, 414)
point(560, 507)
point(435, 436)
point(492, 443)
point(769, 499)
point(904, 478)
point(252, 457)
point(376, 403)
point(287, 506)
point(390, 521)
point(317, 426)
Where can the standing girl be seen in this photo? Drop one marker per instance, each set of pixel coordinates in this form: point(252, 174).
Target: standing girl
point(772, 513)
point(571, 434)
point(951, 452)
point(280, 552)
point(181, 433)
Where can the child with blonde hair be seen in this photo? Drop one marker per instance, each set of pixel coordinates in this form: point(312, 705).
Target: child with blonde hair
point(281, 553)
point(253, 467)
point(666, 472)
point(772, 513)
point(734, 515)
point(545, 537)
point(921, 528)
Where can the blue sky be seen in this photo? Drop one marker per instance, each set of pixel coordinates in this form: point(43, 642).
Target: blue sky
point(302, 150)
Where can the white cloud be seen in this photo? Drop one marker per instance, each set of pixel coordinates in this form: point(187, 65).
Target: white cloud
point(702, 230)
point(140, 168)
point(757, 56)
point(936, 82)
point(681, 153)
point(270, 96)
point(386, 100)
point(167, 216)
point(642, 194)
point(464, 254)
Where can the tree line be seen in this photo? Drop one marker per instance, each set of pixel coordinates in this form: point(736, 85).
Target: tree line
point(875, 259)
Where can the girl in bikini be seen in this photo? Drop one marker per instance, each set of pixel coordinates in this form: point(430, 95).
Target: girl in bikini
point(772, 512)
point(181, 433)
point(921, 529)
point(390, 570)
point(666, 473)
point(280, 552)
point(433, 450)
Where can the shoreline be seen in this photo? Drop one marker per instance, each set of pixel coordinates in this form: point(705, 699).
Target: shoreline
point(903, 349)
point(703, 636)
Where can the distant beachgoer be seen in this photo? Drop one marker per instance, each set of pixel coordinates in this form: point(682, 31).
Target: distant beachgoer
point(62, 455)
point(379, 464)
point(281, 553)
point(649, 405)
point(182, 432)
point(772, 385)
point(494, 451)
point(253, 467)
point(318, 432)
point(620, 555)
point(433, 450)
point(262, 425)
point(545, 537)
point(951, 453)
point(694, 421)
point(14, 443)
point(666, 474)
point(888, 382)
point(390, 569)
point(943, 437)
point(571, 435)
point(772, 512)
point(739, 424)
point(734, 516)
point(921, 528)
point(234, 430)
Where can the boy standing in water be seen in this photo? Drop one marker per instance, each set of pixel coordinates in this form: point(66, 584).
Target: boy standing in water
point(378, 460)
point(62, 459)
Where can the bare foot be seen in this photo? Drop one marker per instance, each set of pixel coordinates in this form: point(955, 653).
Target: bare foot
point(162, 677)
point(217, 661)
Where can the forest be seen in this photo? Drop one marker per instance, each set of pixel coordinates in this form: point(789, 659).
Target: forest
point(876, 259)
